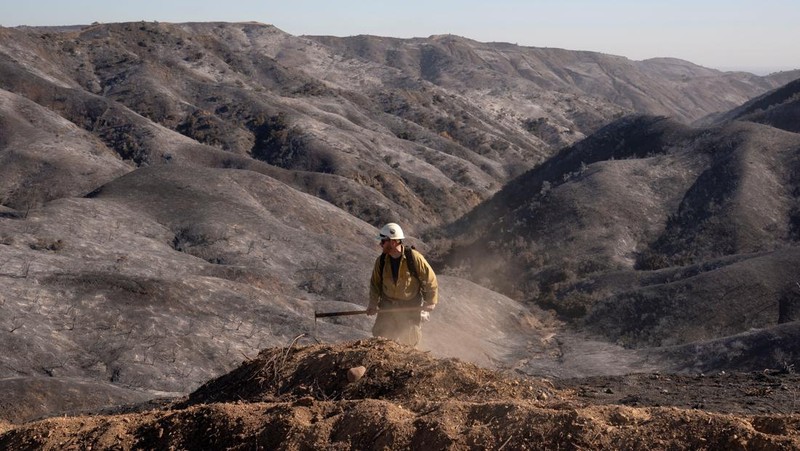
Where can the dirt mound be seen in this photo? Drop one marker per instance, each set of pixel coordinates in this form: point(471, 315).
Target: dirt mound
point(393, 372)
point(375, 424)
point(300, 398)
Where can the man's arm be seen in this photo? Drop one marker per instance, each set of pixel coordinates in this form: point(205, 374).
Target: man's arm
point(429, 284)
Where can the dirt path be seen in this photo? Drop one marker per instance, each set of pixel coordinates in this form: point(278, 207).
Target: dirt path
point(565, 354)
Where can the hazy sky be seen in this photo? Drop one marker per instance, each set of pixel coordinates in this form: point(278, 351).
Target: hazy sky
point(759, 36)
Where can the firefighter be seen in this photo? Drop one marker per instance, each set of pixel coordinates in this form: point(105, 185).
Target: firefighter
point(403, 289)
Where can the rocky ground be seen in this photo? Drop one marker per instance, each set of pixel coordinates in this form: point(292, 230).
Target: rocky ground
point(375, 394)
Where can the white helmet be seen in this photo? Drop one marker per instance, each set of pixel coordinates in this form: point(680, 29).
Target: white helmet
point(391, 231)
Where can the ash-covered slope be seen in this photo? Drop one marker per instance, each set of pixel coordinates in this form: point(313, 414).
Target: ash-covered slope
point(651, 233)
point(585, 81)
point(426, 127)
point(44, 156)
point(166, 276)
point(210, 95)
point(778, 108)
point(595, 201)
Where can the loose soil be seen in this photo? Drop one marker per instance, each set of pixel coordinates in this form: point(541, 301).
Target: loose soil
point(300, 398)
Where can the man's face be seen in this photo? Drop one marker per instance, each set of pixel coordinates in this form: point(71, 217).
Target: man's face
point(387, 245)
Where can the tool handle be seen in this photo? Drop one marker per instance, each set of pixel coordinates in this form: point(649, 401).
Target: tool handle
point(347, 313)
point(364, 312)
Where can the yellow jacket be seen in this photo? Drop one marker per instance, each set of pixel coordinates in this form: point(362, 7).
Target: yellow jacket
point(408, 288)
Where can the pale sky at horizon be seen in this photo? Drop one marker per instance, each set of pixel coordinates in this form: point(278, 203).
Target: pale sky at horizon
point(759, 36)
